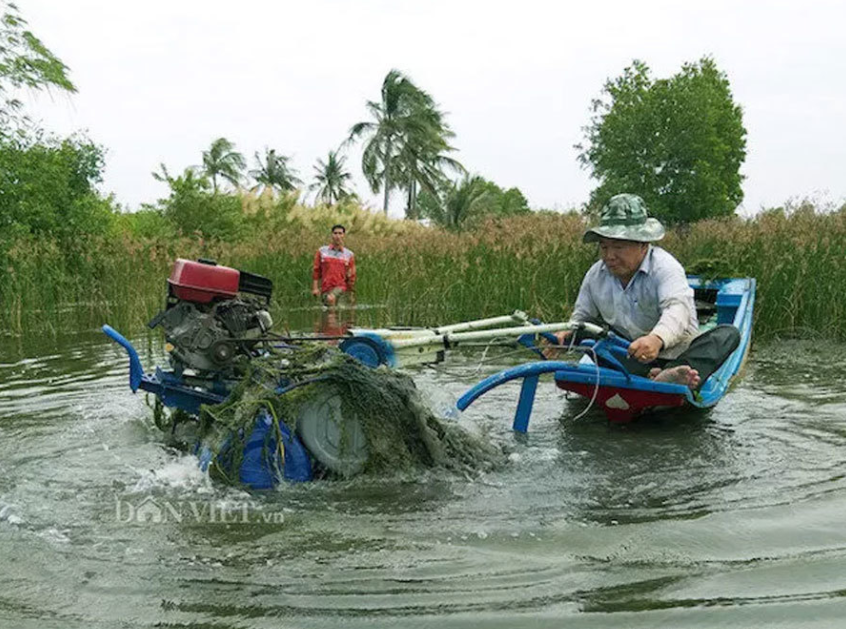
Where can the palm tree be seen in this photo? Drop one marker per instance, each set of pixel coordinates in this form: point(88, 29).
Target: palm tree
point(460, 201)
point(330, 178)
point(189, 179)
point(405, 134)
point(162, 174)
point(274, 172)
point(221, 160)
point(422, 162)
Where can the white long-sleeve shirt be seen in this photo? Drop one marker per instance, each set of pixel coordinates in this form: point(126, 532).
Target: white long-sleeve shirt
point(657, 300)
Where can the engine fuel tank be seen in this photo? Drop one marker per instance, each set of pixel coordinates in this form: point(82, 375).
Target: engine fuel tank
point(201, 282)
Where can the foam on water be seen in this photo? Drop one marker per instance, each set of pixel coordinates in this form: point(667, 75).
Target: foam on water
point(8, 515)
point(182, 473)
point(55, 536)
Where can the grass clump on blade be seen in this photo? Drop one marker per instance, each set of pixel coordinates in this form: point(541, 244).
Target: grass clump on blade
point(402, 434)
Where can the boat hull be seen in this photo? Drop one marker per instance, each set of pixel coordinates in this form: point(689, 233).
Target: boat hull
point(623, 398)
point(623, 405)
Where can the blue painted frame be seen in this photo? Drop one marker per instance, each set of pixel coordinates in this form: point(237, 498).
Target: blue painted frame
point(259, 469)
point(735, 304)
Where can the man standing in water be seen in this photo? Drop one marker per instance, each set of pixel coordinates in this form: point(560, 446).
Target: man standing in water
point(641, 292)
point(333, 276)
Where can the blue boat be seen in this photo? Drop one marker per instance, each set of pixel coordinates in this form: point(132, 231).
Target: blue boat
point(624, 396)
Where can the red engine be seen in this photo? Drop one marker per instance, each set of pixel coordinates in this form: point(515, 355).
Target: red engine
point(202, 282)
point(205, 281)
point(214, 314)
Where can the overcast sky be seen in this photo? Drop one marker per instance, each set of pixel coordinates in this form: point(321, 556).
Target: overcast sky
point(158, 80)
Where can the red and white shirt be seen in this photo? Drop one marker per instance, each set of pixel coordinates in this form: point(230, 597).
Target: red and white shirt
point(335, 268)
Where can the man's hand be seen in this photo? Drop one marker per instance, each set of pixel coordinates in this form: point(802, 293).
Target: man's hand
point(315, 291)
point(645, 349)
point(552, 352)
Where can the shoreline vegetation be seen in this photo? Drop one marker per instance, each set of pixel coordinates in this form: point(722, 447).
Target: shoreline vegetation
point(418, 275)
point(71, 258)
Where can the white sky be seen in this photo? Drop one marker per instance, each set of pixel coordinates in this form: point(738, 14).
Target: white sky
point(159, 80)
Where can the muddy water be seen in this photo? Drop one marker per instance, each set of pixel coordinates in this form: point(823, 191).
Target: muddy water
point(729, 518)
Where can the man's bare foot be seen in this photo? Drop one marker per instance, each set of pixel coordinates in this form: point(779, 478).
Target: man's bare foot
point(682, 374)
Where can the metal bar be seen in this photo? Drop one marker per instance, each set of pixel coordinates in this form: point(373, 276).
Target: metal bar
point(136, 371)
point(449, 340)
point(525, 404)
point(527, 370)
point(387, 333)
point(516, 317)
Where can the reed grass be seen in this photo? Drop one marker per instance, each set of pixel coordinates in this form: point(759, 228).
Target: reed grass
point(421, 275)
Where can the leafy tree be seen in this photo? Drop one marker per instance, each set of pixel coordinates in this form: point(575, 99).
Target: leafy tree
point(222, 160)
point(25, 62)
point(274, 172)
point(509, 202)
point(330, 179)
point(47, 187)
point(472, 198)
point(406, 140)
point(678, 142)
point(193, 209)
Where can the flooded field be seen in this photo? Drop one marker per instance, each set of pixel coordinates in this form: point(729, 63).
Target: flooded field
point(728, 518)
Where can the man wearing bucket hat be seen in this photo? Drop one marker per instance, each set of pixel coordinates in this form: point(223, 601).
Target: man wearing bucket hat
point(641, 292)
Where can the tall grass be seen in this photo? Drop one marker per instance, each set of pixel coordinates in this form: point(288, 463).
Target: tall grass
point(422, 275)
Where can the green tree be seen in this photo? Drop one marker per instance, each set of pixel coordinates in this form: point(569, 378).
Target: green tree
point(47, 185)
point(406, 140)
point(425, 171)
point(25, 63)
point(331, 179)
point(472, 198)
point(456, 203)
point(47, 188)
point(274, 172)
point(422, 162)
point(509, 202)
point(222, 160)
point(190, 177)
point(193, 209)
point(679, 143)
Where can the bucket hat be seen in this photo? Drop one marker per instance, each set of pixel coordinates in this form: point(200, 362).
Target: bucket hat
point(624, 217)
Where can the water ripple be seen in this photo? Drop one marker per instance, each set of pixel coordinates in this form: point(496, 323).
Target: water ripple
point(731, 517)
